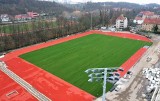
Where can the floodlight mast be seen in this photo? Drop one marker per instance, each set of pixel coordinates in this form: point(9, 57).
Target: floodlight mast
point(103, 71)
point(91, 21)
point(104, 85)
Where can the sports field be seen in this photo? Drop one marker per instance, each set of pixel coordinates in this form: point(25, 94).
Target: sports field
point(69, 60)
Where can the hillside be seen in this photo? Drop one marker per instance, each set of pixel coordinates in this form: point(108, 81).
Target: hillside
point(14, 7)
point(98, 5)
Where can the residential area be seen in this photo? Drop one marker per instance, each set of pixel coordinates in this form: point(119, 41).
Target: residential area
point(147, 21)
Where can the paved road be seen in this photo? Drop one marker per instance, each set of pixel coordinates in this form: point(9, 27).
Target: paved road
point(23, 83)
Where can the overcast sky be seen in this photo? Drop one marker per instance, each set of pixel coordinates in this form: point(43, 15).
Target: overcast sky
point(133, 1)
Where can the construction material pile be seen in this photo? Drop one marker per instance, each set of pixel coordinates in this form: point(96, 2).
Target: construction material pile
point(153, 76)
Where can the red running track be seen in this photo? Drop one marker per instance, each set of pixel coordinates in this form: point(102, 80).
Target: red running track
point(48, 84)
point(125, 35)
point(131, 61)
point(58, 89)
point(7, 85)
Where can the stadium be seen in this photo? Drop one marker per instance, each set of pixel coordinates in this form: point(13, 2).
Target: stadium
point(56, 68)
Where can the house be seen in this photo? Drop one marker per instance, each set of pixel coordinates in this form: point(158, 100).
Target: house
point(147, 14)
point(143, 15)
point(138, 20)
point(32, 14)
point(5, 18)
point(149, 23)
point(122, 9)
point(156, 16)
point(25, 17)
point(22, 17)
point(121, 22)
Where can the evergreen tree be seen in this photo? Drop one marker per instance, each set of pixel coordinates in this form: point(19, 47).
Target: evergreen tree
point(155, 29)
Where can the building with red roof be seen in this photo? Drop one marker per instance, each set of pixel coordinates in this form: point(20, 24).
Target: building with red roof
point(143, 15)
point(22, 17)
point(33, 14)
point(147, 13)
point(149, 23)
point(121, 22)
point(28, 16)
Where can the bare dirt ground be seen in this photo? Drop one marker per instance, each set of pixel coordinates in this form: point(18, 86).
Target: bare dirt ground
point(135, 87)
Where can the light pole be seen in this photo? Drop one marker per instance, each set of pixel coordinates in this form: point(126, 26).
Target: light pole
point(104, 84)
point(91, 20)
point(104, 12)
point(102, 73)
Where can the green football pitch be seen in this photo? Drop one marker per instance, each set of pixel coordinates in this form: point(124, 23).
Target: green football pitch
point(70, 59)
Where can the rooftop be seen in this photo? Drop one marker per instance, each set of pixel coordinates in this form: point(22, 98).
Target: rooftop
point(148, 13)
point(121, 17)
point(152, 21)
point(138, 18)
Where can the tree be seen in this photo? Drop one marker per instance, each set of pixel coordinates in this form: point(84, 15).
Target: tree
point(155, 29)
point(9, 43)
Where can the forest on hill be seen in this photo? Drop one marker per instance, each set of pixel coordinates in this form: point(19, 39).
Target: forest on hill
point(90, 6)
point(13, 7)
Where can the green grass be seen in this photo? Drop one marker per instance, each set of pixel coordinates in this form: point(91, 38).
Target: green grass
point(23, 27)
point(69, 60)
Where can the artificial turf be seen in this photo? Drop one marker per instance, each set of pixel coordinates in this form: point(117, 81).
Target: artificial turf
point(70, 59)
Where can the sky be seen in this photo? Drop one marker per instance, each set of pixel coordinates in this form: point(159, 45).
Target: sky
point(133, 1)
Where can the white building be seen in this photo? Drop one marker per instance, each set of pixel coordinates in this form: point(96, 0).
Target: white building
point(121, 22)
point(5, 18)
point(138, 20)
